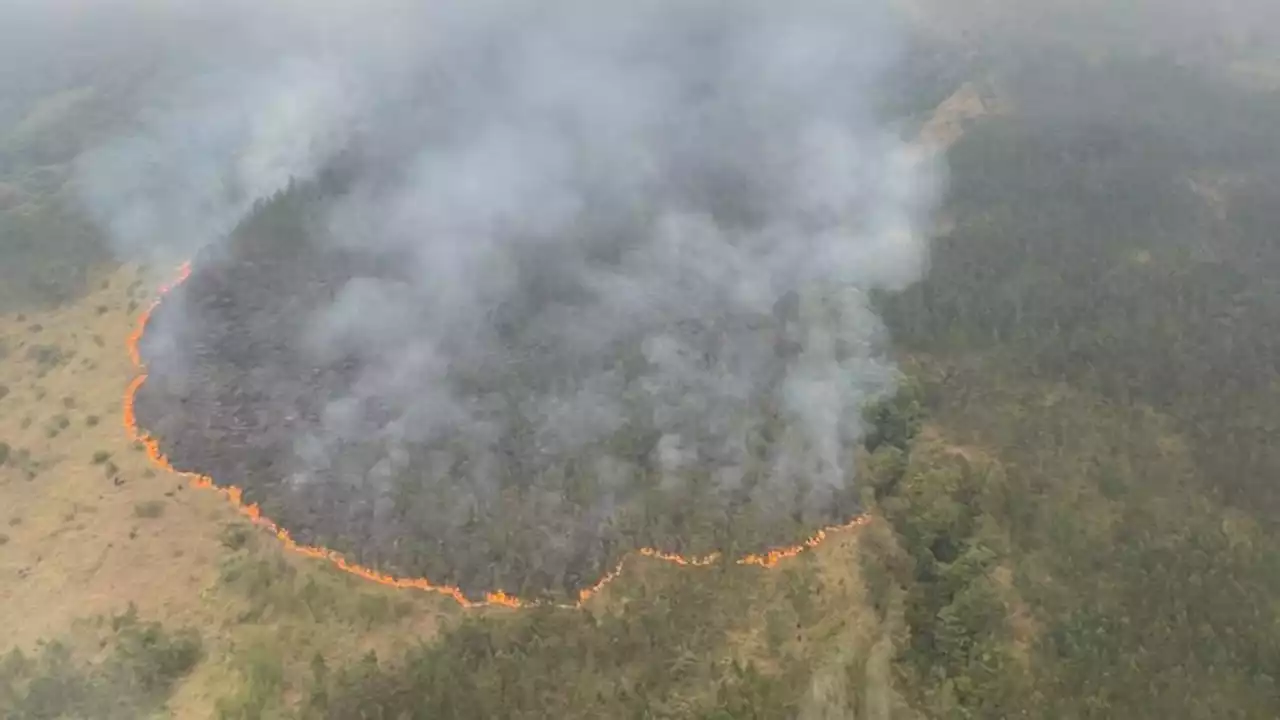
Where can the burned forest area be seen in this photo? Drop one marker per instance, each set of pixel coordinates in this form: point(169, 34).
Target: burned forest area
point(232, 399)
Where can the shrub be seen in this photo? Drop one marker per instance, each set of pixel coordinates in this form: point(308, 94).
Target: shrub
point(134, 679)
point(149, 509)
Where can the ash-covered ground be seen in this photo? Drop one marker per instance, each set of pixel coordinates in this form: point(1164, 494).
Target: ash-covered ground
point(233, 392)
point(556, 280)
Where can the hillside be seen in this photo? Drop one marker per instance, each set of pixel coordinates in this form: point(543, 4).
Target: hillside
point(1069, 502)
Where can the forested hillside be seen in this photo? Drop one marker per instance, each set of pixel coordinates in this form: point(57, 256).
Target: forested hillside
point(1097, 338)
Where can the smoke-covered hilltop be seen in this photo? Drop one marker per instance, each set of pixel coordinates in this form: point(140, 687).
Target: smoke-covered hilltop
point(588, 265)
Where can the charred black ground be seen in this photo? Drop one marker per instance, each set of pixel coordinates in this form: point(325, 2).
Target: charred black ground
point(229, 393)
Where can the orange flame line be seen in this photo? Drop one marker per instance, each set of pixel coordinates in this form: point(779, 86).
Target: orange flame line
point(235, 496)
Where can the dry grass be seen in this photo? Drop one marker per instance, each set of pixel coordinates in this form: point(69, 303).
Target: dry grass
point(92, 526)
point(76, 549)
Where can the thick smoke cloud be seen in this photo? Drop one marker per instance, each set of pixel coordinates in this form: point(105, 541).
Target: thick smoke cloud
point(596, 177)
point(660, 217)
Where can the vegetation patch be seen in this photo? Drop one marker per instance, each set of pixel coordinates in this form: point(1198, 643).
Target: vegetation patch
point(150, 509)
point(134, 677)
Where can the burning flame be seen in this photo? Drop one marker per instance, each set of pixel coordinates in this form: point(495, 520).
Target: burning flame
point(496, 598)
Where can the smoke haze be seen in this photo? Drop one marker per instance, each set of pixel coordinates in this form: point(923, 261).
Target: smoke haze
point(658, 220)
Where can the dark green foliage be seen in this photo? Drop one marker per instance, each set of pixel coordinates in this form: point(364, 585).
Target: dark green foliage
point(894, 421)
point(151, 659)
point(1103, 323)
point(1127, 247)
point(923, 78)
point(49, 250)
point(1082, 574)
point(135, 678)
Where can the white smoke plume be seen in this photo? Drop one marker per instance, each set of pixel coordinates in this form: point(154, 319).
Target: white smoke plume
point(659, 215)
